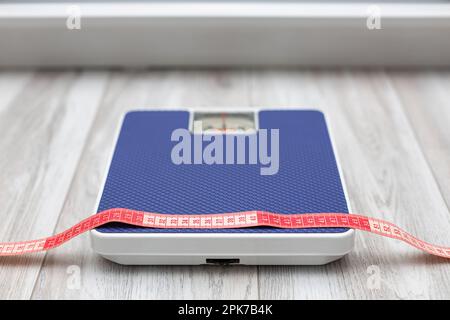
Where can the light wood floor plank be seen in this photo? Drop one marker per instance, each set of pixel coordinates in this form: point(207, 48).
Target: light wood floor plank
point(11, 84)
point(101, 278)
point(43, 133)
point(426, 100)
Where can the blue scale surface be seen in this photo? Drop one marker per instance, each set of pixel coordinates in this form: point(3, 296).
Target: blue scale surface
point(143, 177)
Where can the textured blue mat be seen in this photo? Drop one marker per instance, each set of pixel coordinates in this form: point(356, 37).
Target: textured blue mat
point(143, 177)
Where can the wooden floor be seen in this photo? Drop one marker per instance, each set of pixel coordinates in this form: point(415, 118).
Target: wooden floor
point(392, 131)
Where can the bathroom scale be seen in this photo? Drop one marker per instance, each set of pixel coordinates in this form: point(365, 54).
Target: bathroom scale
point(279, 161)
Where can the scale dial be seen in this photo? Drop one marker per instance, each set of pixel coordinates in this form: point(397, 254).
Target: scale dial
point(226, 122)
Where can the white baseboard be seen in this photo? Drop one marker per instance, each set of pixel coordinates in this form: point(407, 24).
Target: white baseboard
point(225, 34)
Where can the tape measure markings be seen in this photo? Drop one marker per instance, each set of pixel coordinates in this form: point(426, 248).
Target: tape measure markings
point(223, 221)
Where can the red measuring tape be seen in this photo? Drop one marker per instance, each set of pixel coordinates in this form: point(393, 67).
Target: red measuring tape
point(223, 221)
